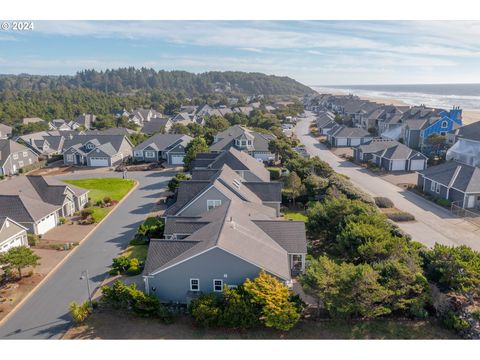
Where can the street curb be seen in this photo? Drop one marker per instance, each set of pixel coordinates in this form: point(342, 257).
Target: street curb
point(54, 270)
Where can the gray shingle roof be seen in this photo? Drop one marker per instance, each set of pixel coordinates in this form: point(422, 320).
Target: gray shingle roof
point(79, 140)
point(12, 229)
point(288, 234)
point(349, 132)
point(266, 191)
point(24, 209)
point(226, 139)
point(162, 142)
point(470, 132)
point(154, 125)
point(460, 176)
point(8, 147)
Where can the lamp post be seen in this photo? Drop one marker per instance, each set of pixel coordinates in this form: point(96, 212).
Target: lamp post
point(84, 276)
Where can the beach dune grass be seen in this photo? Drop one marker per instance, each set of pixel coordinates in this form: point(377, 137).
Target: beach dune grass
point(101, 188)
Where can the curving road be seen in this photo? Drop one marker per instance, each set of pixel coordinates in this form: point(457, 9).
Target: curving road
point(45, 314)
point(434, 223)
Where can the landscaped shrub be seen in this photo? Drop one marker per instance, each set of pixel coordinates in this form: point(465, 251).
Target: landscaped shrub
point(239, 309)
point(400, 216)
point(443, 202)
point(32, 239)
point(138, 240)
point(206, 310)
point(119, 265)
point(152, 227)
point(346, 187)
point(107, 200)
point(174, 182)
point(62, 220)
point(383, 202)
point(133, 267)
point(454, 322)
point(129, 298)
point(275, 173)
point(85, 213)
point(80, 312)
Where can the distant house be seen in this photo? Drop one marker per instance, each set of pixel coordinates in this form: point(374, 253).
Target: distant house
point(85, 121)
point(467, 145)
point(243, 139)
point(342, 136)
point(12, 234)
point(5, 131)
point(140, 116)
point(390, 155)
point(45, 143)
point(96, 150)
point(168, 147)
point(14, 156)
point(325, 122)
point(61, 125)
point(209, 188)
point(26, 121)
point(37, 203)
point(454, 181)
point(243, 164)
point(222, 246)
point(183, 118)
point(157, 125)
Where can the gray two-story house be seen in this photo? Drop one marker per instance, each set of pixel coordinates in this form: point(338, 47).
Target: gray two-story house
point(14, 156)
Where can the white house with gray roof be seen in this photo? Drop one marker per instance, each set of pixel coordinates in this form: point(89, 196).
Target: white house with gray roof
point(38, 202)
point(96, 150)
point(12, 234)
point(163, 147)
point(467, 146)
point(342, 136)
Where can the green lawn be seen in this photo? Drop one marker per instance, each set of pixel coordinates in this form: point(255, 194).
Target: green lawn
point(136, 251)
point(114, 188)
point(291, 215)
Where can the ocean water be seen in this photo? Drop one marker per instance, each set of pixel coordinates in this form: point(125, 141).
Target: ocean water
point(467, 96)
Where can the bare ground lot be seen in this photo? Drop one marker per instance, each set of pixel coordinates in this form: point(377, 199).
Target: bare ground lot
point(107, 324)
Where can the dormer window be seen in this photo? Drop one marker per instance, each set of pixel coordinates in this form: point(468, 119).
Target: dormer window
point(90, 146)
point(444, 124)
point(212, 204)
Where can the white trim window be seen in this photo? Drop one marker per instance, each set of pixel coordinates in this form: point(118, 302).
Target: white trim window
point(217, 285)
point(25, 153)
point(437, 188)
point(212, 204)
point(432, 185)
point(70, 157)
point(15, 156)
point(194, 284)
point(444, 124)
point(149, 154)
point(138, 153)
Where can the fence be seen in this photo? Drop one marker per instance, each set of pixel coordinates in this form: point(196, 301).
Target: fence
point(471, 216)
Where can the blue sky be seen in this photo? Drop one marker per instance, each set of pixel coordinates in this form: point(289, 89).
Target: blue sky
point(313, 52)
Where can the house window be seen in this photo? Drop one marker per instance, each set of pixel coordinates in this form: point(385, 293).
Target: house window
point(90, 146)
point(249, 142)
point(15, 156)
point(69, 157)
point(20, 163)
point(444, 124)
point(437, 188)
point(25, 153)
point(432, 186)
point(217, 285)
point(150, 154)
point(194, 284)
point(211, 204)
point(138, 154)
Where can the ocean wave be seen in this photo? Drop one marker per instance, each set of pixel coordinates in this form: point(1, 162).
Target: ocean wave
point(466, 102)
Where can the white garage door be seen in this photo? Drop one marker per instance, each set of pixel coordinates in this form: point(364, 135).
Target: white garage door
point(341, 142)
point(354, 142)
point(98, 161)
point(398, 165)
point(417, 165)
point(46, 224)
point(177, 159)
point(11, 244)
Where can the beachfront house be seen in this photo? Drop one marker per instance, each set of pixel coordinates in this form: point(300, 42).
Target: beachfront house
point(342, 136)
point(467, 146)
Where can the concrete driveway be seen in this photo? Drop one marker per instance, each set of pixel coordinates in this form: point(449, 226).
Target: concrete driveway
point(434, 224)
point(45, 315)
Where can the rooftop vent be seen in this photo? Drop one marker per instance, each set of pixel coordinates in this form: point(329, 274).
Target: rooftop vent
point(237, 183)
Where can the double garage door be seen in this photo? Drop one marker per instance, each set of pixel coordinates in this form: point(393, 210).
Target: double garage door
point(11, 244)
point(99, 161)
point(46, 224)
point(177, 159)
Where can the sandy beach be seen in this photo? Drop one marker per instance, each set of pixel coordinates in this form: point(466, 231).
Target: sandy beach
point(468, 117)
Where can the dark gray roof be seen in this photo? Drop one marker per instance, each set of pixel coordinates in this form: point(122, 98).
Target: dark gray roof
point(226, 139)
point(349, 132)
point(416, 124)
point(154, 125)
point(79, 140)
point(186, 191)
point(162, 142)
point(204, 174)
point(24, 209)
point(160, 252)
point(266, 191)
point(288, 234)
point(111, 131)
point(460, 176)
point(470, 132)
point(389, 149)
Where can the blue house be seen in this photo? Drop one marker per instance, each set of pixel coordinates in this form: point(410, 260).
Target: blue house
point(448, 121)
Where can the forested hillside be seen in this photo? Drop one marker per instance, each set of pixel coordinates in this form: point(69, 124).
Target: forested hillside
point(128, 80)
